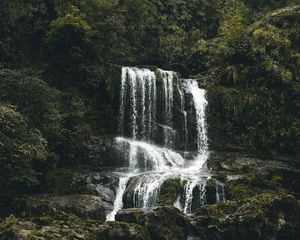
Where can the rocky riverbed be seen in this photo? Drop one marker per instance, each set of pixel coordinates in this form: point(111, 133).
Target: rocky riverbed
point(261, 203)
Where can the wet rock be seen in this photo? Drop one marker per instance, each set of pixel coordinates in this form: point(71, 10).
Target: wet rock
point(169, 191)
point(265, 216)
point(129, 198)
point(100, 182)
point(161, 222)
point(165, 136)
point(83, 206)
point(211, 193)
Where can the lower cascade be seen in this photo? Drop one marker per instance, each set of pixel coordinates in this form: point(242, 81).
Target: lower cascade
point(163, 135)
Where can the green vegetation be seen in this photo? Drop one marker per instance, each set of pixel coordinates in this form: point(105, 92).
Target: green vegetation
point(59, 60)
point(265, 216)
point(23, 152)
point(169, 191)
point(59, 70)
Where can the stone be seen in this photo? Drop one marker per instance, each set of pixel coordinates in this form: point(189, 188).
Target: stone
point(162, 222)
point(265, 216)
point(102, 183)
point(83, 206)
point(255, 174)
point(122, 231)
point(63, 226)
point(211, 192)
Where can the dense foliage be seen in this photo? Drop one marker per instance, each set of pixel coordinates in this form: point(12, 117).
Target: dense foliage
point(56, 58)
point(22, 151)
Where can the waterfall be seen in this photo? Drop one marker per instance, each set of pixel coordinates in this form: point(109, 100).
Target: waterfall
point(163, 135)
point(220, 192)
point(137, 100)
point(168, 95)
point(118, 204)
point(200, 103)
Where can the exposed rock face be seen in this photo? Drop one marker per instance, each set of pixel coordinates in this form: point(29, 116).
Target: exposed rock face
point(266, 216)
point(248, 175)
point(83, 206)
point(161, 222)
point(129, 197)
point(102, 184)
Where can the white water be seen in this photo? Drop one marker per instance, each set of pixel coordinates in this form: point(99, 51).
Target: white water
point(140, 86)
point(149, 163)
point(168, 96)
point(118, 204)
point(200, 104)
point(220, 192)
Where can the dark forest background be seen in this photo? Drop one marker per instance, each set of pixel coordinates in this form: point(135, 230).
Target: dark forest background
point(57, 59)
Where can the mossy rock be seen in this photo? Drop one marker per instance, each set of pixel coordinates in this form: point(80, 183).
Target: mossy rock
point(169, 192)
point(83, 206)
point(162, 222)
point(264, 216)
point(122, 231)
point(68, 226)
point(60, 226)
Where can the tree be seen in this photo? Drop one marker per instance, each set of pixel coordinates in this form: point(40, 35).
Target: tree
point(36, 101)
point(70, 49)
point(21, 148)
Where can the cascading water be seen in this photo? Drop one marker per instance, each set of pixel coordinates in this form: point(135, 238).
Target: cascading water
point(160, 118)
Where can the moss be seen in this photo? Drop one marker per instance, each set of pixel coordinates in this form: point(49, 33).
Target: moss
point(276, 181)
point(8, 222)
point(131, 231)
point(169, 191)
point(238, 191)
point(163, 222)
point(264, 216)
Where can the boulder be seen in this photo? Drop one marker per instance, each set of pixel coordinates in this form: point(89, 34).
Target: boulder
point(211, 191)
point(102, 183)
point(265, 216)
point(83, 206)
point(67, 226)
point(161, 222)
point(169, 191)
point(60, 226)
point(254, 174)
point(122, 231)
